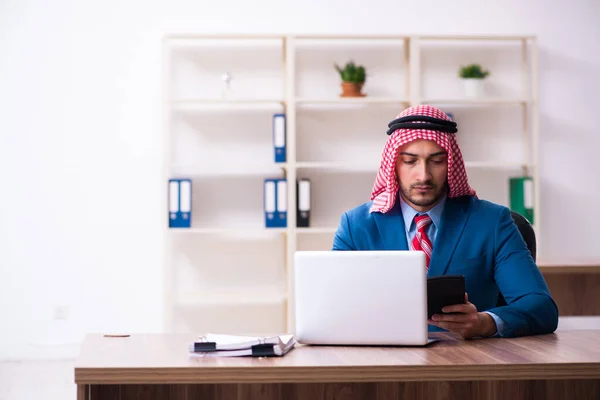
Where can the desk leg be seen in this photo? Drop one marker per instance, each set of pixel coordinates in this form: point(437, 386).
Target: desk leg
point(83, 392)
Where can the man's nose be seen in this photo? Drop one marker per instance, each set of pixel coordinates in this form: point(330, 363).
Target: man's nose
point(423, 173)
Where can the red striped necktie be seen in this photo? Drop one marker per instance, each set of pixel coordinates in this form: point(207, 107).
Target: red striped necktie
point(421, 241)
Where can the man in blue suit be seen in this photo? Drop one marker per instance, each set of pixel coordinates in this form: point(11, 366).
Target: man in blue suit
point(422, 200)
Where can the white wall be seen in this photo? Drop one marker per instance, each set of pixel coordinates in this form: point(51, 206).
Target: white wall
point(80, 140)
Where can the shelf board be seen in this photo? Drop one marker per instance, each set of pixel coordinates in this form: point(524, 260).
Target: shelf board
point(227, 101)
point(476, 37)
point(245, 37)
point(230, 297)
point(339, 165)
point(317, 230)
point(250, 231)
point(350, 100)
point(267, 169)
point(242, 231)
point(484, 101)
point(349, 37)
point(203, 105)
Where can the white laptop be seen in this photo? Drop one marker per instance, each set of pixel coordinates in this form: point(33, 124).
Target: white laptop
point(361, 298)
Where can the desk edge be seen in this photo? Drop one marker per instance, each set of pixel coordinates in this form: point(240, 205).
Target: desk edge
point(223, 375)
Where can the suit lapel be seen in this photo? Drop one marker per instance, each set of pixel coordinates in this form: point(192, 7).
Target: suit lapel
point(453, 221)
point(391, 228)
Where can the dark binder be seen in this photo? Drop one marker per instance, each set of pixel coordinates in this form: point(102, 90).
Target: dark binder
point(303, 203)
point(444, 290)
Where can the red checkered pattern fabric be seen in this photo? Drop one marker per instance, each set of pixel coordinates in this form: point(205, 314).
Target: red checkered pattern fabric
point(421, 240)
point(385, 188)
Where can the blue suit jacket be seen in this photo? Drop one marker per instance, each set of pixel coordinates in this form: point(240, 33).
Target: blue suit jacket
point(477, 239)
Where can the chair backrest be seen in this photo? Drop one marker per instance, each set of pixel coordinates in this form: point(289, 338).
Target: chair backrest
point(527, 232)
point(528, 235)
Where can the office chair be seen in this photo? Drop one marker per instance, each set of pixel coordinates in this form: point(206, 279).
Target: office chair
point(526, 231)
point(528, 235)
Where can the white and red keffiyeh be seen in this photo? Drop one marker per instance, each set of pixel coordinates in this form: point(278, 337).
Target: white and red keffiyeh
point(385, 189)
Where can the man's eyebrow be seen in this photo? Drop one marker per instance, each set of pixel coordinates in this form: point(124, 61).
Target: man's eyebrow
point(439, 153)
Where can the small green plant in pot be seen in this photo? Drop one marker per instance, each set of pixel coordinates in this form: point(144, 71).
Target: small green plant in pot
point(473, 76)
point(353, 79)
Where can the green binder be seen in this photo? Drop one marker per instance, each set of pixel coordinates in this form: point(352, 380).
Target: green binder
point(521, 196)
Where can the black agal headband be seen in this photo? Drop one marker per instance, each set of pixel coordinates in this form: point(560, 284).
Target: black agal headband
point(422, 122)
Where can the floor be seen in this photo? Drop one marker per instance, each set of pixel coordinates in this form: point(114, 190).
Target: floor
point(29, 380)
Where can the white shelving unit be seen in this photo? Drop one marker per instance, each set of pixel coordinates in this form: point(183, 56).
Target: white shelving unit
point(228, 272)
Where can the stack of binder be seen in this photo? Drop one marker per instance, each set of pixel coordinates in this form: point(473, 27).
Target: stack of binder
point(275, 203)
point(220, 345)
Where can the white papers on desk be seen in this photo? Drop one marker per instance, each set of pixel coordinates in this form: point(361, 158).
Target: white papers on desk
point(221, 345)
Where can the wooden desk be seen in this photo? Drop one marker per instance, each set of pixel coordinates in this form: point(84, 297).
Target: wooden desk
point(558, 366)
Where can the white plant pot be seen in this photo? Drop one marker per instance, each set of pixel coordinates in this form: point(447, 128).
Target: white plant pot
point(473, 87)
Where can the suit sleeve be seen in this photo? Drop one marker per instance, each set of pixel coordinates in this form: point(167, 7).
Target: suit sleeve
point(530, 309)
point(343, 237)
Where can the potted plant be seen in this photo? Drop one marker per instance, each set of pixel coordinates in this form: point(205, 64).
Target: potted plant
point(473, 76)
point(353, 79)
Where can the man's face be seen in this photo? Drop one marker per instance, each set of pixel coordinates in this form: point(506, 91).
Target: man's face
point(422, 172)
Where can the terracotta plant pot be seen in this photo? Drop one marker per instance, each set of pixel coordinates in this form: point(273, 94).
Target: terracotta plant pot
point(350, 89)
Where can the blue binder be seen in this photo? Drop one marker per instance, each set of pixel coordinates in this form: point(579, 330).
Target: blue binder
point(180, 203)
point(269, 202)
point(279, 138)
point(275, 203)
point(282, 202)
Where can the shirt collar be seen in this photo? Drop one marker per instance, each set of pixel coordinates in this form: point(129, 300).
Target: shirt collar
point(408, 213)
